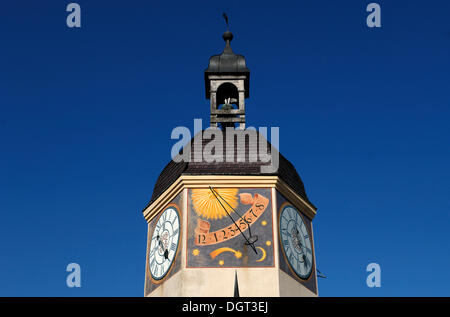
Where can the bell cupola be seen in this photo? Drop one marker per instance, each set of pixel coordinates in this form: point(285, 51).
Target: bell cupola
point(227, 86)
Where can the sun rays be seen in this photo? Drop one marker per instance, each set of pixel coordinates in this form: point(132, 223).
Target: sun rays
point(207, 206)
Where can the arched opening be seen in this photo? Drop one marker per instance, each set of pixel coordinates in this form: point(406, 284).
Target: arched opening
point(227, 91)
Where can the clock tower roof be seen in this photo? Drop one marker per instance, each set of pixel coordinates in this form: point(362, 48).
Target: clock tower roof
point(228, 203)
point(173, 170)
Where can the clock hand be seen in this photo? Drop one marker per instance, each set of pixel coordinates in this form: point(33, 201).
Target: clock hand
point(300, 244)
point(251, 239)
point(161, 245)
point(243, 218)
point(251, 243)
point(295, 235)
point(306, 261)
point(166, 252)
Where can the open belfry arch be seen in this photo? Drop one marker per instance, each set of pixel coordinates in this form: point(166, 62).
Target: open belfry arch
point(225, 228)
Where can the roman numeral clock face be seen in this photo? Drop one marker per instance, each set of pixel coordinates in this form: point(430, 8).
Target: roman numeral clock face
point(164, 243)
point(296, 242)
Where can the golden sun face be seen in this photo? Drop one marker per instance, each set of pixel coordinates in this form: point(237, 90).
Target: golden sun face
point(206, 205)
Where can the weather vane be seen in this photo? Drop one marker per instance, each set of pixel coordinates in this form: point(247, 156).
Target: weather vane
point(225, 16)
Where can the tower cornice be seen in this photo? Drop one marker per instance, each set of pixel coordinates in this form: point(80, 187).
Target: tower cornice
point(230, 181)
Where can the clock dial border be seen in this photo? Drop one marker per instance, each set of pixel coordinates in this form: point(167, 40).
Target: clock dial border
point(172, 264)
point(306, 224)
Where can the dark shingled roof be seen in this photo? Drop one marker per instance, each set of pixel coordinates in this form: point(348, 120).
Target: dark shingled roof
point(286, 171)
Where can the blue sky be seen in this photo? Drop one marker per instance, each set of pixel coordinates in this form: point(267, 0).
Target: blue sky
point(86, 117)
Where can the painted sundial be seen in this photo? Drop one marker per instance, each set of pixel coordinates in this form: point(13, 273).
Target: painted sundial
point(222, 221)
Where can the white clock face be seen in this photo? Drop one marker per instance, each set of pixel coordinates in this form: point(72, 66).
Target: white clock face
point(164, 243)
point(296, 242)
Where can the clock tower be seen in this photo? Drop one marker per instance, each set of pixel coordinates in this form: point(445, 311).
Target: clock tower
point(221, 221)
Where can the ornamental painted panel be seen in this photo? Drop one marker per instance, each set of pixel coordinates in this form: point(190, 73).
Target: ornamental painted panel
point(296, 247)
point(164, 245)
point(230, 227)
